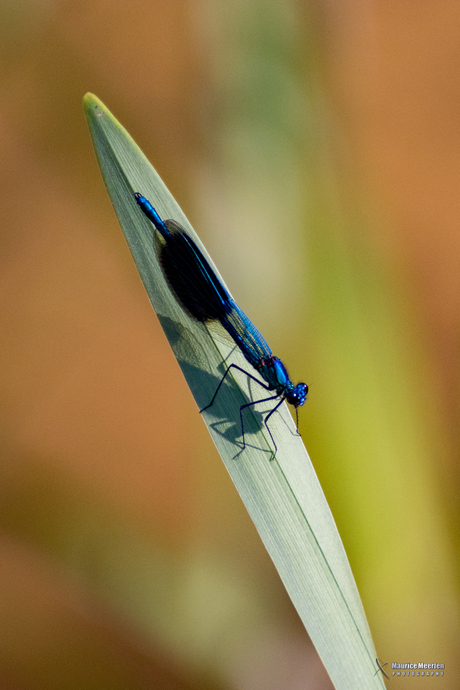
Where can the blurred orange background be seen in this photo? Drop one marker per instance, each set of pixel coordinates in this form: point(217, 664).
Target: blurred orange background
point(329, 134)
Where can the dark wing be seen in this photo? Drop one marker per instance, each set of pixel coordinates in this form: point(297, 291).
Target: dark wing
point(201, 294)
point(190, 277)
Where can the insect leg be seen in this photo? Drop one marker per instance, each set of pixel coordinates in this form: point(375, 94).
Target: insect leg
point(255, 402)
point(268, 429)
point(232, 366)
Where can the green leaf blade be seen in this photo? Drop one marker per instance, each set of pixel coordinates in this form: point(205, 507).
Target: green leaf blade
point(283, 497)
